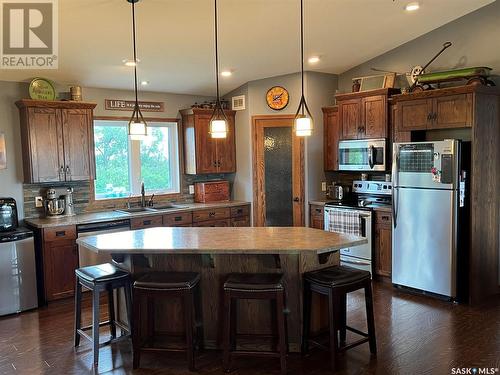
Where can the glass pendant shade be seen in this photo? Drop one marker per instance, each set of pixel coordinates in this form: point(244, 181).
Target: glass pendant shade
point(303, 126)
point(218, 128)
point(137, 130)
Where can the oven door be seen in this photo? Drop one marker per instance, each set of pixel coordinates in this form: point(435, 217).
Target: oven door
point(358, 263)
point(362, 155)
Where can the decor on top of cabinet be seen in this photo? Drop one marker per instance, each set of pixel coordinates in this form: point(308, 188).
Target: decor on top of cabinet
point(277, 98)
point(374, 82)
point(42, 89)
point(417, 71)
point(76, 93)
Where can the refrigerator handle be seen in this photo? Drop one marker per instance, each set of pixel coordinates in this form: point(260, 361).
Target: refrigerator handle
point(370, 156)
point(395, 162)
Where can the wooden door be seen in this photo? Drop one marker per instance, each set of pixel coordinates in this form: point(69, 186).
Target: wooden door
point(374, 117)
point(60, 259)
point(226, 149)
point(383, 243)
point(46, 148)
point(78, 144)
point(206, 146)
point(414, 114)
point(452, 111)
point(350, 118)
point(293, 162)
point(332, 135)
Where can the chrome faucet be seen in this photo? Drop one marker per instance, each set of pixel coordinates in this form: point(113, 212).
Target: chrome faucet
point(143, 195)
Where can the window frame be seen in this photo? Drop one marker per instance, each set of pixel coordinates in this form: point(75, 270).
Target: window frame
point(177, 147)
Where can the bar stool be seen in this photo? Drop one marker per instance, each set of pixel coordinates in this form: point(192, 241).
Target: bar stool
point(162, 285)
point(336, 282)
point(253, 286)
point(100, 278)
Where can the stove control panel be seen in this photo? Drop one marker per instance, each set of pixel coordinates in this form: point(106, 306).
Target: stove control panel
point(372, 187)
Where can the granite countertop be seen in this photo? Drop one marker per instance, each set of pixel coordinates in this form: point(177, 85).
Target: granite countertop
point(99, 217)
point(228, 240)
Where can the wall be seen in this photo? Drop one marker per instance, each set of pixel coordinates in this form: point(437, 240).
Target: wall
point(11, 178)
point(475, 39)
point(319, 89)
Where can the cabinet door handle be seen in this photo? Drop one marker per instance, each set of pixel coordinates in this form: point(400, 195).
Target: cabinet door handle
point(239, 210)
point(178, 218)
point(60, 233)
point(61, 171)
point(318, 210)
point(435, 116)
point(385, 218)
point(67, 171)
point(146, 222)
point(211, 214)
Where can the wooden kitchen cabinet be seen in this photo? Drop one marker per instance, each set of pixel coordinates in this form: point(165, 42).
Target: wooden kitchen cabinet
point(57, 140)
point(203, 154)
point(146, 222)
point(237, 216)
point(60, 259)
point(316, 216)
point(374, 116)
point(350, 118)
point(383, 243)
point(332, 133)
point(437, 109)
point(178, 219)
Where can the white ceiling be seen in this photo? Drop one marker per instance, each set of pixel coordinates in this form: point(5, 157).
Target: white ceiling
point(258, 39)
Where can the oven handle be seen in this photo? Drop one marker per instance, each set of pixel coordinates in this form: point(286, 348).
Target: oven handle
point(371, 150)
point(359, 263)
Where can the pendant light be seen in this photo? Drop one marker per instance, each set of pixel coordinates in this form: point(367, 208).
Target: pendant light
point(137, 127)
point(303, 118)
point(218, 121)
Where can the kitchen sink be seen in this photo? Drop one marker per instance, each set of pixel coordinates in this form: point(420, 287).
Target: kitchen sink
point(168, 206)
point(134, 210)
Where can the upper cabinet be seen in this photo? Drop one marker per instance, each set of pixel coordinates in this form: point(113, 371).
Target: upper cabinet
point(364, 115)
point(202, 153)
point(331, 136)
point(436, 109)
point(57, 140)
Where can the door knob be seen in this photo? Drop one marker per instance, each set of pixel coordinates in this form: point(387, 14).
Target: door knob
point(296, 199)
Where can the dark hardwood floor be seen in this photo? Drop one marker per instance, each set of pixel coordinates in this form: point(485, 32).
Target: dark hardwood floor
point(415, 334)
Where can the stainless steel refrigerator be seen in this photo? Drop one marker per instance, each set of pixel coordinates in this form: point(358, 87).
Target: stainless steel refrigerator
point(428, 190)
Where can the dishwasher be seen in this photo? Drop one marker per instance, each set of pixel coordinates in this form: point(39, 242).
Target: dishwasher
point(89, 258)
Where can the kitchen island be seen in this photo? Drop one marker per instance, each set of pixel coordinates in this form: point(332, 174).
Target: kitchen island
point(216, 252)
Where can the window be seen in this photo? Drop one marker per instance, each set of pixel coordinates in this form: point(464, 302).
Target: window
point(122, 164)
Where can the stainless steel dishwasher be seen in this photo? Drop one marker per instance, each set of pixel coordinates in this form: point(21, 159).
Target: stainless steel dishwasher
point(88, 257)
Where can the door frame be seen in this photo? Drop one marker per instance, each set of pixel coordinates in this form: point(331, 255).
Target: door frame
point(259, 122)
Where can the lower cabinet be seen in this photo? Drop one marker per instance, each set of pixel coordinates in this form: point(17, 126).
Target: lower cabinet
point(383, 243)
point(316, 216)
point(146, 222)
point(238, 216)
point(60, 259)
point(215, 223)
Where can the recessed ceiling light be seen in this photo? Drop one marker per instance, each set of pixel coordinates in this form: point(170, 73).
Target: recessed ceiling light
point(226, 73)
point(313, 59)
point(144, 83)
point(130, 62)
point(410, 7)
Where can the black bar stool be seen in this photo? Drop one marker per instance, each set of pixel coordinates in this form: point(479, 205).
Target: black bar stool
point(100, 278)
point(336, 282)
point(253, 286)
point(161, 285)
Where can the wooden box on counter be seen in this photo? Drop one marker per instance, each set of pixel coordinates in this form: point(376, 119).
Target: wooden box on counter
point(213, 191)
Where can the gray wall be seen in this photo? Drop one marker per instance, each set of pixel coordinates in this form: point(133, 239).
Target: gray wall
point(319, 89)
point(475, 38)
point(11, 179)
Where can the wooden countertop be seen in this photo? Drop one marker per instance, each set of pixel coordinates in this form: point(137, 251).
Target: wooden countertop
point(103, 216)
point(202, 240)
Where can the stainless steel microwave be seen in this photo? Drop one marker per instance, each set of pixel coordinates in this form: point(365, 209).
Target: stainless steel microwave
point(363, 155)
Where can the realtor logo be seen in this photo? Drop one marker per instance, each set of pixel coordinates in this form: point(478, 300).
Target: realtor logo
point(29, 34)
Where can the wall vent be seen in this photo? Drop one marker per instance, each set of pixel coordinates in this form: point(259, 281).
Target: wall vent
point(238, 102)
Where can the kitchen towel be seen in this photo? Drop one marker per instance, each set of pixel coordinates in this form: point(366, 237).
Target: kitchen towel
point(346, 222)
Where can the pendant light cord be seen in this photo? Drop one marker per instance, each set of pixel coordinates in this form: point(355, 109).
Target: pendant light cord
point(135, 61)
point(302, 46)
point(216, 53)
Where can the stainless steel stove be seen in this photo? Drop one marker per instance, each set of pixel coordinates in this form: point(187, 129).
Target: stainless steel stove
point(366, 196)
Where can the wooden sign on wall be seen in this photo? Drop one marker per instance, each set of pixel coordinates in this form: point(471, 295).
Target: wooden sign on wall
point(128, 105)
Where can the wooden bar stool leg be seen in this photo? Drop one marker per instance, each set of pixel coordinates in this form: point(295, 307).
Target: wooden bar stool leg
point(128, 303)
point(188, 315)
point(343, 317)
point(370, 318)
point(306, 319)
point(111, 310)
point(280, 315)
point(95, 325)
point(78, 311)
point(226, 337)
point(332, 313)
point(136, 329)
point(151, 317)
point(233, 323)
point(199, 318)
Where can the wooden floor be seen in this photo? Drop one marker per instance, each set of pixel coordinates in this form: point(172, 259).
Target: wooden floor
point(415, 334)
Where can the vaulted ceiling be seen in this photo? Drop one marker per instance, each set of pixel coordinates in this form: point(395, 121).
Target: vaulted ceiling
point(258, 39)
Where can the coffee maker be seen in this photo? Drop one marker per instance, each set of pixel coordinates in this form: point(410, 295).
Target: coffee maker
point(54, 206)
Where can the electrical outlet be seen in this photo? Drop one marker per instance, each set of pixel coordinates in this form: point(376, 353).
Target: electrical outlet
point(38, 201)
point(191, 189)
point(323, 186)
